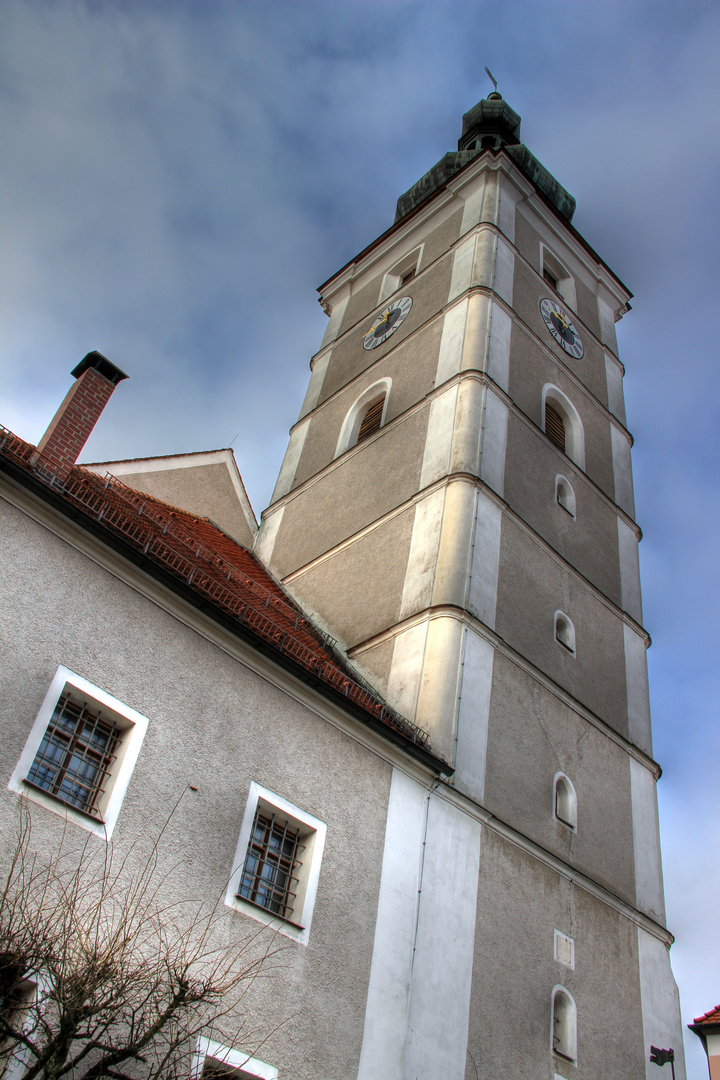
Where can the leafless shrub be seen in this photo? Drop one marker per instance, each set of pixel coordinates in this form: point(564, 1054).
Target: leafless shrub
point(101, 976)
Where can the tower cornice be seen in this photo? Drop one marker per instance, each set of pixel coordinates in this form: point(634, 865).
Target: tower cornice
point(495, 162)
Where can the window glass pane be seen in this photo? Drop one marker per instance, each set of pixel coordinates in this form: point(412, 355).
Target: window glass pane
point(75, 755)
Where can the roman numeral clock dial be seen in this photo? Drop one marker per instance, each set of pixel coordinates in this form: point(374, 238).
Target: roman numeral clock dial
point(387, 323)
point(561, 328)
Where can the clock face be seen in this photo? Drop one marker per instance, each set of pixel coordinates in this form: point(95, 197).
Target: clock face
point(387, 322)
point(561, 328)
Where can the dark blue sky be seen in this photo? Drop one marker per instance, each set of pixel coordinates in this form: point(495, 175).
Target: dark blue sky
point(178, 178)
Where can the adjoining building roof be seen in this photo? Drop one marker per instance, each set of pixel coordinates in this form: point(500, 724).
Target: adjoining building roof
point(200, 557)
point(708, 1019)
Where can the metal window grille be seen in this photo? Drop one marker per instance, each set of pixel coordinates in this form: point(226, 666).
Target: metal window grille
point(372, 420)
point(269, 876)
point(554, 426)
point(75, 755)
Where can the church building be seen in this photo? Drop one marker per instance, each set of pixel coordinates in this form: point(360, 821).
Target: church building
point(425, 668)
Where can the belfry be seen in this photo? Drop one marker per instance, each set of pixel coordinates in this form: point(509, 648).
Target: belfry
point(456, 509)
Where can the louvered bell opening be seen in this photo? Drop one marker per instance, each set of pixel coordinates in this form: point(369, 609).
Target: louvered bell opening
point(554, 426)
point(371, 420)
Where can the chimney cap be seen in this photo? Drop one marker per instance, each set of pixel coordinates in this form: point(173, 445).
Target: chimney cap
point(102, 365)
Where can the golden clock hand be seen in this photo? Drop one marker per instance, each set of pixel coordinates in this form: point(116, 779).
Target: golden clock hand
point(384, 319)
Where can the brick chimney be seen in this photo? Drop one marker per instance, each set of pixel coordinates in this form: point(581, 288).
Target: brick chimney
point(70, 428)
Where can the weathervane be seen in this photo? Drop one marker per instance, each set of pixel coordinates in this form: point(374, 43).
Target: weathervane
point(492, 78)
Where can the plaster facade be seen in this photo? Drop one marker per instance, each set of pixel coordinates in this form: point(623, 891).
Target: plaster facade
point(218, 720)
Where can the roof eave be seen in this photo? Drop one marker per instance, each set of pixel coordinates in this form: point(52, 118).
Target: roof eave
point(202, 603)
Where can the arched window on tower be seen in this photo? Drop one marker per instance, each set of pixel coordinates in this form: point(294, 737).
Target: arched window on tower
point(372, 420)
point(365, 416)
point(562, 424)
point(565, 801)
point(564, 1024)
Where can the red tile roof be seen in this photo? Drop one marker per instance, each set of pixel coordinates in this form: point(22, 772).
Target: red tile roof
point(199, 554)
point(712, 1017)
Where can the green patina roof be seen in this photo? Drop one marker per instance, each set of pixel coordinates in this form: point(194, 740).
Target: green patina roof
point(491, 125)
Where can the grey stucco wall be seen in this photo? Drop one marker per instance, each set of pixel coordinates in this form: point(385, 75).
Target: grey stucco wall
point(521, 901)
point(528, 290)
point(436, 243)
point(429, 294)
point(532, 735)
point(412, 369)
point(532, 586)
point(359, 588)
point(377, 476)
point(528, 240)
point(589, 540)
point(216, 725)
point(530, 369)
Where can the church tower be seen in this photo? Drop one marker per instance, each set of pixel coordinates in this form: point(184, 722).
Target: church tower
point(456, 508)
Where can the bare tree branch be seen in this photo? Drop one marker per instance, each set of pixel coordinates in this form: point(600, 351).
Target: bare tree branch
point(101, 977)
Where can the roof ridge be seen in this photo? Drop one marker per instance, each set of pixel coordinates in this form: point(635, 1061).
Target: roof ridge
point(155, 457)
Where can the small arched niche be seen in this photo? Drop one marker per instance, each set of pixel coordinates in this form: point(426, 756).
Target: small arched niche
point(564, 801)
point(564, 494)
point(562, 424)
point(365, 417)
point(564, 1024)
point(564, 631)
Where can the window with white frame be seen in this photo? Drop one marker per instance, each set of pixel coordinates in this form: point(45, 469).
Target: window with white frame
point(564, 631)
point(564, 1024)
point(401, 273)
point(212, 1059)
point(564, 495)
point(277, 864)
point(558, 276)
point(564, 801)
point(80, 753)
